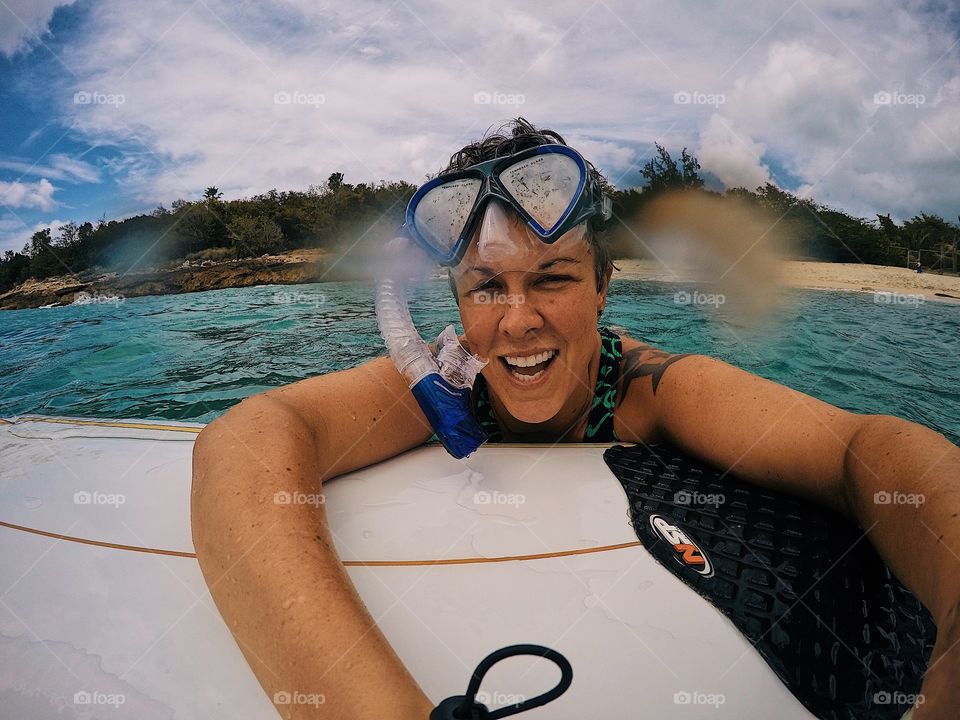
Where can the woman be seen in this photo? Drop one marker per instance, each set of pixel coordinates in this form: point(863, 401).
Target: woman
point(531, 308)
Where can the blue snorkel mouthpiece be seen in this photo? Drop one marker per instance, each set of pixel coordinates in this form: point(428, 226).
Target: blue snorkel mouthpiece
point(440, 384)
point(448, 410)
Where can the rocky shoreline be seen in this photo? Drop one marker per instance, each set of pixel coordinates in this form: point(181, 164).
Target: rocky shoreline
point(302, 266)
point(306, 266)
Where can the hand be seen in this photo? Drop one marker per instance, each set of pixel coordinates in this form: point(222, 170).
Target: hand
point(940, 693)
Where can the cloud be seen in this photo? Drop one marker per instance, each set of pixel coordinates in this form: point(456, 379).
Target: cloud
point(252, 97)
point(870, 137)
point(28, 195)
point(14, 234)
point(24, 22)
point(58, 167)
point(732, 156)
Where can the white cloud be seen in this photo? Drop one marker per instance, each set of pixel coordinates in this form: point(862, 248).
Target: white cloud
point(23, 23)
point(731, 155)
point(37, 195)
point(389, 91)
point(57, 166)
point(14, 234)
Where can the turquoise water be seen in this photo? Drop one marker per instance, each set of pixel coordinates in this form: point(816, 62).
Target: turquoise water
point(190, 357)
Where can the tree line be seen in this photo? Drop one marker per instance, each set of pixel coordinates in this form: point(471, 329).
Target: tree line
point(338, 215)
point(822, 233)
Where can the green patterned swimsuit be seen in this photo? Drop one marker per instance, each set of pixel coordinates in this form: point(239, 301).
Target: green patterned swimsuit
point(600, 420)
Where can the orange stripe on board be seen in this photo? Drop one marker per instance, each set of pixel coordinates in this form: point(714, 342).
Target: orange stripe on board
point(346, 563)
point(480, 560)
point(109, 423)
point(98, 543)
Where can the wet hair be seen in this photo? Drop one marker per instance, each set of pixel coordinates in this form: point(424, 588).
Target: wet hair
point(510, 138)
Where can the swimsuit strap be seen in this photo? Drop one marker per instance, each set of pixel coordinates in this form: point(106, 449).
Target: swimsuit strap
point(484, 412)
point(599, 422)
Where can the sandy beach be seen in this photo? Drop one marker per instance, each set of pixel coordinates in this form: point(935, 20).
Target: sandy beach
point(856, 277)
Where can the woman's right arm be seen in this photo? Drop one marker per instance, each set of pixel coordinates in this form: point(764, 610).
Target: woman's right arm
point(272, 568)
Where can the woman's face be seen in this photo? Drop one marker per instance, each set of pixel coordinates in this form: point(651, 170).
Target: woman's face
point(531, 310)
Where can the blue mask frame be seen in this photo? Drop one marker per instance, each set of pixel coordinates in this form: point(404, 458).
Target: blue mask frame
point(588, 202)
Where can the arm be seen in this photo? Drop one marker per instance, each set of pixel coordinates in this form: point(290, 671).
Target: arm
point(917, 533)
point(778, 437)
point(272, 568)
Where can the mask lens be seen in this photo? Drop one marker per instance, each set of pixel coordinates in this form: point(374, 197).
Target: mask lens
point(547, 186)
point(442, 213)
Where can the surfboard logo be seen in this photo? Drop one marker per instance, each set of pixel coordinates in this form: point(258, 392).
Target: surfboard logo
point(686, 551)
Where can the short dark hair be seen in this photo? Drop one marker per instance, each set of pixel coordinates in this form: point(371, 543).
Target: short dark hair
point(510, 138)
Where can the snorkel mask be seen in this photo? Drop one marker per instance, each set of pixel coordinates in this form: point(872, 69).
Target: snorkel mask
point(551, 189)
point(549, 186)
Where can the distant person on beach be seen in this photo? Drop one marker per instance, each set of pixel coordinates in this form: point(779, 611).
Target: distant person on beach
point(918, 267)
point(515, 217)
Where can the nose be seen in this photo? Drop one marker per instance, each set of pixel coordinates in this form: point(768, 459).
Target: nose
point(519, 316)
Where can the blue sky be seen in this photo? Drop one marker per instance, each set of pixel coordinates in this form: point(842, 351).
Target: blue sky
point(109, 108)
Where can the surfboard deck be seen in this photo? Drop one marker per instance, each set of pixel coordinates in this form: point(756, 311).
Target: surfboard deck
point(454, 559)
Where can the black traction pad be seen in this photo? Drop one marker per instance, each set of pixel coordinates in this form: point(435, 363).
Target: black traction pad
point(802, 583)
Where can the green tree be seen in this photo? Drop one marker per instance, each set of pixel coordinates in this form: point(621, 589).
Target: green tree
point(44, 260)
point(68, 236)
point(254, 236)
point(664, 173)
point(212, 195)
point(335, 182)
point(928, 232)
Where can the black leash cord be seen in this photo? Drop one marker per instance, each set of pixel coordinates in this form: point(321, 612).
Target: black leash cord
point(465, 707)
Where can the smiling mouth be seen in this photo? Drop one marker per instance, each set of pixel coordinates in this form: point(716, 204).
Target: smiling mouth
point(530, 368)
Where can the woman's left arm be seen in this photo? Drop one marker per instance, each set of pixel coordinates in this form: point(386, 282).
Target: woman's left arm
point(903, 481)
point(899, 480)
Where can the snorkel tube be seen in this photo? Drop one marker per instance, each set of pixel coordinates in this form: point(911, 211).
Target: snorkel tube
point(440, 384)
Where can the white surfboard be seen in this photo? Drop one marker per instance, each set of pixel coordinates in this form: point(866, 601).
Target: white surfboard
point(104, 606)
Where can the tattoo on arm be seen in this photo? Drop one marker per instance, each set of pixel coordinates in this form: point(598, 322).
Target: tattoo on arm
point(655, 363)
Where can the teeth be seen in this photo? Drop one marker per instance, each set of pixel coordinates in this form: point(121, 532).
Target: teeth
point(531, 360)
point(527, 378)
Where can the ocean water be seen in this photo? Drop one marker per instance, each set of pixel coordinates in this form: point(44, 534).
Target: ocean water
point(192, 356)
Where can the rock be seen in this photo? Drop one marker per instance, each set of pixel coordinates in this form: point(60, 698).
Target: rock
point(302, 266)
point(71, 289)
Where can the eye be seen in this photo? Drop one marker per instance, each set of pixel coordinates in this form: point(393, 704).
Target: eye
point(553, 279)
point(488, 285)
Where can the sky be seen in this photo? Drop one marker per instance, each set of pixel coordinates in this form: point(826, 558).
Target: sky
point(109, 108)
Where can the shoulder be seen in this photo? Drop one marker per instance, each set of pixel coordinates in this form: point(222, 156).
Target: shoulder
point(644, 369)
point(642, 359)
